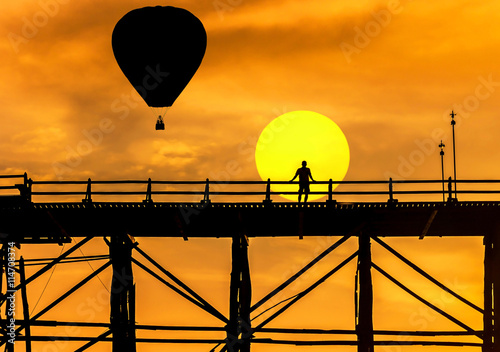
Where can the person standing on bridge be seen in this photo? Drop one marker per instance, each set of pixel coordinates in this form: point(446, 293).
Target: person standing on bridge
point(304, 174)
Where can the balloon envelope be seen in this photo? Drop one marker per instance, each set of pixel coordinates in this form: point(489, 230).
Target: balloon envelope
point(159, 50)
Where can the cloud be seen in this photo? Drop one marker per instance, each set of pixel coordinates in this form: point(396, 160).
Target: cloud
point(40, 140)
point(172, 154)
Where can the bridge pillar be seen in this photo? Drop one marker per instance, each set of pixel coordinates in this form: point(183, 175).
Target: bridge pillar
point(364, 327)
point(491, 336)
point(122, 295)
point(239, 331)
point(488, 295)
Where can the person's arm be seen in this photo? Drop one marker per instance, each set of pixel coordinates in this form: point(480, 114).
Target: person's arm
point(311, 176)
point(294, 177)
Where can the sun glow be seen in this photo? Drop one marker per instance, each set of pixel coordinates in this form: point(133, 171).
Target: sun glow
point(302, 135)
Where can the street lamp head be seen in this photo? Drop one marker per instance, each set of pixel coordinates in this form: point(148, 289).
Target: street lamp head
point(453, 122)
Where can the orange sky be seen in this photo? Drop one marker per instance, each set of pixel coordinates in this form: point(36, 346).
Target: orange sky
point(387, 72)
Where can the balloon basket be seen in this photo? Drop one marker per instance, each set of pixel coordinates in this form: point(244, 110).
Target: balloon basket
point(159, 124)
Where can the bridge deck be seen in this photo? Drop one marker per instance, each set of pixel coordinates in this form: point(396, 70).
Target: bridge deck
point(25, 219)
point(55, 222)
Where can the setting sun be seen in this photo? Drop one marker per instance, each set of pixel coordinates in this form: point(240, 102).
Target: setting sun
point(302, 135)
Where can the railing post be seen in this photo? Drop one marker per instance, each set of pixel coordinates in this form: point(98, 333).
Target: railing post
point(268, 199)
point(450, 191)
point(330, 200)
point(148, 199)
point(88, 194)
point(391, 192)
point(206, 196)
point(28, 190)
point(25, 188)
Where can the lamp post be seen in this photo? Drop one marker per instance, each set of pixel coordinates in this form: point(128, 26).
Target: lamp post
point(453, 122)
point(442, 165)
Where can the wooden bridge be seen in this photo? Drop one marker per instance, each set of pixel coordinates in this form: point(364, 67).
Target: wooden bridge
point(53, 215)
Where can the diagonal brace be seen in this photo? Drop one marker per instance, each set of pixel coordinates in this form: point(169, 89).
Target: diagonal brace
point(54, 262)
point(178, 291)
point(306, 291)
point(427, 303)
point(209, 307)
point(427, 276)
point(94, 341)
point(61, 298)
point(70, 291)
point(299, 273)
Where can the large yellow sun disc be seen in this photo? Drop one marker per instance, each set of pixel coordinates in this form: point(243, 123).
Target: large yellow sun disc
point(297, 136)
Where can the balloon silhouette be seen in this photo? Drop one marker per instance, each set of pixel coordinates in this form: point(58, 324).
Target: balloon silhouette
point(159, 50)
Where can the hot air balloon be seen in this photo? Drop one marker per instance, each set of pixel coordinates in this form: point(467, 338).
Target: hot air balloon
point(159, 50)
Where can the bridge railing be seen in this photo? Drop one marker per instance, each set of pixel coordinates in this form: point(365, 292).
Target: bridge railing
point(204, 191)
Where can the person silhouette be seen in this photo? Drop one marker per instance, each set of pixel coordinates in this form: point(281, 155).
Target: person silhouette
point(304, 173)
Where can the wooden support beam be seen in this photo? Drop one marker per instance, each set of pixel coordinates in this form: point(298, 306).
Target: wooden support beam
point(302, 294)
point(122, 284)
point(54, 262)
point(364, 326)
point(488, 294)
point(198, 300)
point(426, 275)
point(426, 302)
point(131, 312)
point(70, 292)
point(495, 276)
point(27, 322)
point(93, 341)
point(26, 311)
point(300, 272)
point(234, 287)
point(239, 330)
point(2, 255)
point(245, 296)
